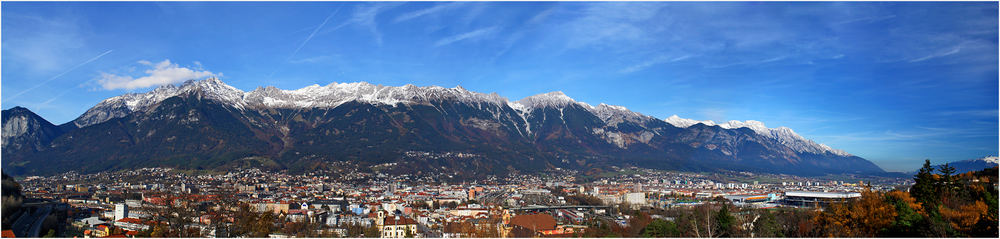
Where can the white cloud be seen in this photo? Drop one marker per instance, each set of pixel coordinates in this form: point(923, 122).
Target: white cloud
point(658, 60)
point(954, 50)
point(426, 11)
point(162, 73)
point(365, 17)
point(463, 36)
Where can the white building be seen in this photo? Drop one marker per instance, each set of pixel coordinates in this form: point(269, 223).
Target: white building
point(398, 227)
point(635, 198)
point(121, 211)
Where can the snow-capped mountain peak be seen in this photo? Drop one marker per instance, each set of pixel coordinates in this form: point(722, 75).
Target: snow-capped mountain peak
point(684, 123)
point(990, 159)
point(614, 114)
point(754, 125)
point(785, 135)
point(317, 96)
point(335, 94)
point(551, 99)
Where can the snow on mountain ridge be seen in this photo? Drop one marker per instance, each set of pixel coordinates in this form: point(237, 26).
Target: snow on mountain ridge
point(615, 114)
point(335, 94)
point(551, 99)
point(990, 159)
point(785, 135)
point(684, 123)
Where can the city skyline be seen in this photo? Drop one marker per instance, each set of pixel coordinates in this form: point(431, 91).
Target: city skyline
point(894, 83)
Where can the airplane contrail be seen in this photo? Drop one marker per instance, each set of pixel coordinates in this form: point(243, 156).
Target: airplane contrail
point(57, 76)
point(313, 33)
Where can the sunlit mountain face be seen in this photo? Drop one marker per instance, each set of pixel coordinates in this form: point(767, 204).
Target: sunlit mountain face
point(210, 125)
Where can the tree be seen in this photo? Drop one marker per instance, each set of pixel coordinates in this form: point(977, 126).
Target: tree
point(661, 228)
point(724, 221)
point(966, 217)
point(946, 179)
point(871, 213)
point(158, 231)
point(767, 226)
point(263, 226)
point(797, 223)
point(908, 215)
point(865, 217)
point(924, 190)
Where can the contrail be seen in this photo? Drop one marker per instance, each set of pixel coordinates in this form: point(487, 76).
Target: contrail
point(57, 76)
point(313, 34)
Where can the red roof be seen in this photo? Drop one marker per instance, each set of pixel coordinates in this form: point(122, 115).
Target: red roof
point(8, 234)
point(535, 222)
point(401, 221)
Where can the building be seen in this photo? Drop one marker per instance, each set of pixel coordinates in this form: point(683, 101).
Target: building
point(131, 224)
point(635, 198)
point(398, 227)
point(535, 225)
point(815, 199)
point(121, 211)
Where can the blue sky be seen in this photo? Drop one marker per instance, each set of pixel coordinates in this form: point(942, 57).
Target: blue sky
point(891, 82)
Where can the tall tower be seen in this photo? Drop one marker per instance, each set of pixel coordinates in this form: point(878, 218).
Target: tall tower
point(121, 211)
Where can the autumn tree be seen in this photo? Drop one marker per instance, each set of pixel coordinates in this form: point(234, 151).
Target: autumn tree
point(908, 215)
point(872, 213)
point(864, 217)
point(797, 222)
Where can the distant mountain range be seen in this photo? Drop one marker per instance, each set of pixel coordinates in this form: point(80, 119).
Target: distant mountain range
point(970, 165)
point(210, 125)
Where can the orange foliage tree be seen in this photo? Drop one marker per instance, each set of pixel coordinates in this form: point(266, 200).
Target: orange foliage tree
point(864, 217)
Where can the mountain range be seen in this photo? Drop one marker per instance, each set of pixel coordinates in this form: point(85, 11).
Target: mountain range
point(970, 165)
point(210, 125)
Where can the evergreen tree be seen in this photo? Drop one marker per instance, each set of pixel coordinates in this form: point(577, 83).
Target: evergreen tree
point(661, 228)
point(924, 189)
point(946, 178)
point(724, 221)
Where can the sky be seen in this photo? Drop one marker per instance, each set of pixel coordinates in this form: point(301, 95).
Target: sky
point(895, 83)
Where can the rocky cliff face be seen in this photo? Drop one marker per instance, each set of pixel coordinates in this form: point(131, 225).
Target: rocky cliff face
point(23, 130)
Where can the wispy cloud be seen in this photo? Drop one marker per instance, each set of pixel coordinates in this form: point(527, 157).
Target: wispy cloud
point(953, 51)
point(610, 24)
point(42, 45)
point(162, 73)
point(366, 17)
point(60, 74)
point(750, 62)
point(975, 113)
point(315, 59)
point(522, 31)
point(464, 36)
point(426, 11)
point(334, 13)
point(654, 61)
point(869, 19)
